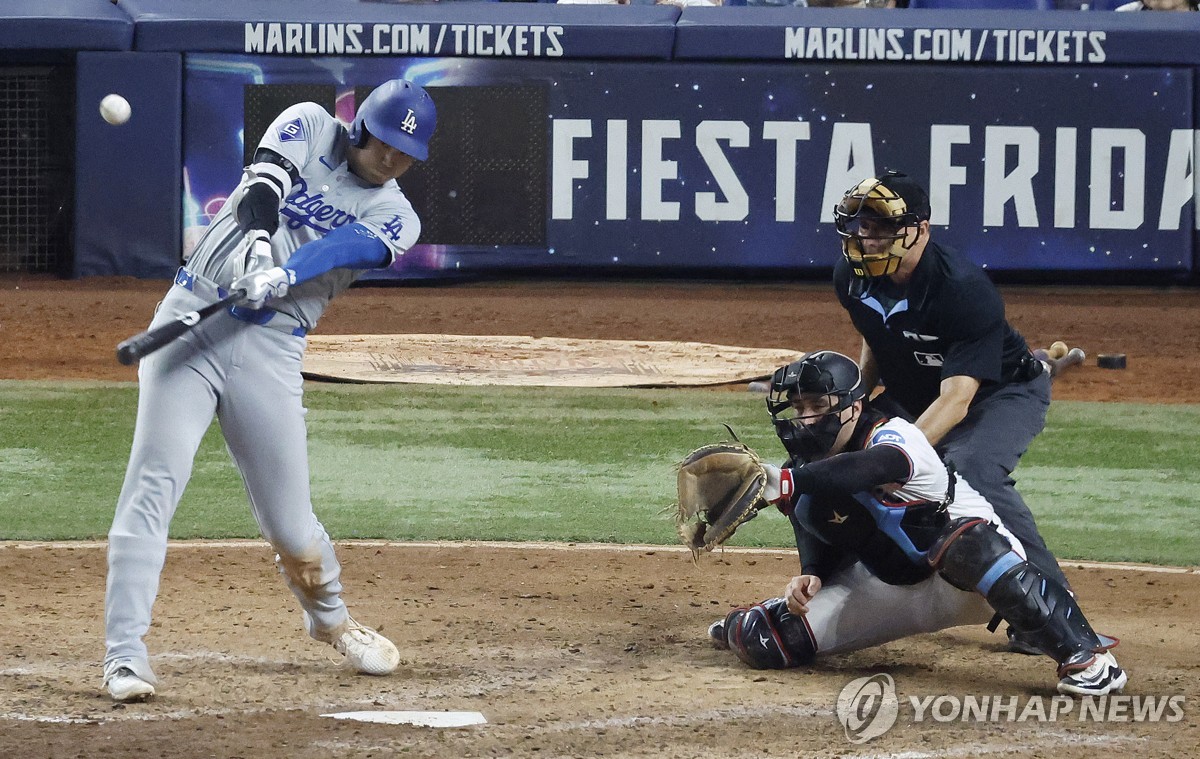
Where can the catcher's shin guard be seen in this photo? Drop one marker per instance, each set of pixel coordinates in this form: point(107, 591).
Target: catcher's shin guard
point(971, 555)
point(768, 636)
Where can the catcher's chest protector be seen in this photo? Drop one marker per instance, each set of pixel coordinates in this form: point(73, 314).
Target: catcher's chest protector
point(889, 542)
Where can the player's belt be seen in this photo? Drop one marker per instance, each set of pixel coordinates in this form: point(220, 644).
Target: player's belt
point(264, 317)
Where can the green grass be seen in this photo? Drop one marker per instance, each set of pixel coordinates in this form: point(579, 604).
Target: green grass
point(418, 462)
point(1117, 481)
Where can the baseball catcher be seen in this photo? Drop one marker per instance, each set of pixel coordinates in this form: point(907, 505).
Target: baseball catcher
point(893, 543)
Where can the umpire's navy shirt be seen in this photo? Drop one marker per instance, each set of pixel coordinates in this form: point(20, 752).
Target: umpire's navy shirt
point(948, 322)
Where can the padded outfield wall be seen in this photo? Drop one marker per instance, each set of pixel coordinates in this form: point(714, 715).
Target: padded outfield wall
point(630, 138)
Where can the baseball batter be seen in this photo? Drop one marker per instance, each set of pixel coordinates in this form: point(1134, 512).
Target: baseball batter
point(893, 542)
point(317, 207)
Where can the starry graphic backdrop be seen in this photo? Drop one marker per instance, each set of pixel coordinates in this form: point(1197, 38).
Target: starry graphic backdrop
point(603, 165)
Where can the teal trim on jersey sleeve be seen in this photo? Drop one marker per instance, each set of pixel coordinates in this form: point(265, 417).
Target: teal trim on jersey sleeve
point(350, 247)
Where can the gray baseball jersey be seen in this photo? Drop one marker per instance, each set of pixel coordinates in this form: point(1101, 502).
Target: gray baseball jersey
point(247, 372)
point(326, 196)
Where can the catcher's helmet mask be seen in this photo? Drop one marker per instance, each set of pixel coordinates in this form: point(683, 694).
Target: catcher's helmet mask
point(824, 380)
point(880, 208)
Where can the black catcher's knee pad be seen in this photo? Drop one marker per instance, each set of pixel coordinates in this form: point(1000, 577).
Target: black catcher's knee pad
point(768, 636)
point(967, 550)
point(1045, 613)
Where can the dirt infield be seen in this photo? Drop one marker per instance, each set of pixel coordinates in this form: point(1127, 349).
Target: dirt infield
point(51, 329)
point(573, 651)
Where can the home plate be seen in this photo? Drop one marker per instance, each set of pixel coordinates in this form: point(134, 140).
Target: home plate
point(421, 719)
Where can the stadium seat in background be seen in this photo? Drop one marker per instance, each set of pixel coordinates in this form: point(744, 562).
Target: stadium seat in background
point(1097, 5)
point(1006, 5)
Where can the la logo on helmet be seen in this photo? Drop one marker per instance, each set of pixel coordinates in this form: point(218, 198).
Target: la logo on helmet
point(410, 122)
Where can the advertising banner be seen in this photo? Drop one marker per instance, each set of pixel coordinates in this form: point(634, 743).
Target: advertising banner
point(713, 166)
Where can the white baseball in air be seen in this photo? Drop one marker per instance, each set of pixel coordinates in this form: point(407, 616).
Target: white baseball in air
point(115, 109)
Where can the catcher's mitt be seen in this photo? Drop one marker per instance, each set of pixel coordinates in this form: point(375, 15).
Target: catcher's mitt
point(721, 486)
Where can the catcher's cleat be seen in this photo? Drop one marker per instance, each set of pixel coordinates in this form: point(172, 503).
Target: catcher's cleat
point(716, 631)
point(1100, 676)
point(124, 686)
point(366, 651)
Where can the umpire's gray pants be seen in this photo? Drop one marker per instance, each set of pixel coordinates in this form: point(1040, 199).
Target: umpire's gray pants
point(985, 448)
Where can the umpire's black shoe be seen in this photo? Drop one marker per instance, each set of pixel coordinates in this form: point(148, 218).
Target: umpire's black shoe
point(1020, 645)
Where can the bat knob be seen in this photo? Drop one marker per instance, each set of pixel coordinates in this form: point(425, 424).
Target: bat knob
point(126, 354)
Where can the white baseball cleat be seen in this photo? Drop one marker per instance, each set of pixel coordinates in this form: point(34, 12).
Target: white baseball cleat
point(366, 651)
point(124, 685)
point(1102, 676)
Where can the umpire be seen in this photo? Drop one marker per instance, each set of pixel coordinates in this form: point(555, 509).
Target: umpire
point(934, 334)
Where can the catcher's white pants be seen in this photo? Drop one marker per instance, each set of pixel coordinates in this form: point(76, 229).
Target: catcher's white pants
point(249, 377)
point(855, 610)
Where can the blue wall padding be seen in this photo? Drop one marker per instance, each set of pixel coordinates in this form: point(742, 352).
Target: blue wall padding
point(64, 25)
point(127, 178)
point(591, 31)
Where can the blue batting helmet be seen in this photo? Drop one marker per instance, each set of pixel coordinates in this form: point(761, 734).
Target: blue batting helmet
point(400, 114)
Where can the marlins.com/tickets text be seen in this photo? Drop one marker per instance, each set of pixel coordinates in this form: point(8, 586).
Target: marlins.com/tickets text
point(997, 45)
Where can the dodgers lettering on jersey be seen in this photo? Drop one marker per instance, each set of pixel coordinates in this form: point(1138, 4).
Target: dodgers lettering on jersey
point(325, 196)
point(394, 228)
point(304, 210)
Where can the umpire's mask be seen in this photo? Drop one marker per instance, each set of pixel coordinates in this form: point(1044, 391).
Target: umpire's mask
point(879, 210)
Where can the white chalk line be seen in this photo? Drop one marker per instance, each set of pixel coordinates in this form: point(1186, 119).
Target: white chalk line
point(128, 715)
point(1050, 738)
point(541, 546)
point(686, 720)
point(47, 669)
point(710, 716)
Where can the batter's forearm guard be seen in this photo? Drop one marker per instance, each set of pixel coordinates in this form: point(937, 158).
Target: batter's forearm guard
point(267, 182)
point(258, 207)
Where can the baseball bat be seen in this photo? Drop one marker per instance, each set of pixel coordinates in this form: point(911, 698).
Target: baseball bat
point(144, 343)
point(1073, 357)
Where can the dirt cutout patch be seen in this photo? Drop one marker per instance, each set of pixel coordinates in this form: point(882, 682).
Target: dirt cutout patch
point(541, 361)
